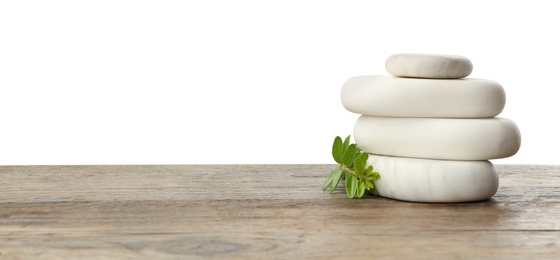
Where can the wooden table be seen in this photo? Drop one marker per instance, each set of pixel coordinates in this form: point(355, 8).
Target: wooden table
point(262, 211)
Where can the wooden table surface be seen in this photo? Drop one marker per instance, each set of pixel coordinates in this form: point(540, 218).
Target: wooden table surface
point(262, 211)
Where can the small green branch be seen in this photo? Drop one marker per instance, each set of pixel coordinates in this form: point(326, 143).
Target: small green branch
point(358, 177)
point(349, 170)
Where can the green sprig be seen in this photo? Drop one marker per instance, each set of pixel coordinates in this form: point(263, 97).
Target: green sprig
point(352, 168)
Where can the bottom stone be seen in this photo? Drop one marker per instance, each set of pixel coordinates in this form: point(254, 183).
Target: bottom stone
point(441, 181)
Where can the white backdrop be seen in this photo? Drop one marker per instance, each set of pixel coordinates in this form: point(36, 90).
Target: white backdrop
point(189, 82)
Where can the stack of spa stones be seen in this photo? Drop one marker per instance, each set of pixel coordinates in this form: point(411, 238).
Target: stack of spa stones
point(430, 131)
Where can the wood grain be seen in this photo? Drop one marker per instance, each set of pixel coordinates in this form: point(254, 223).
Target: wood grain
point(262, 211)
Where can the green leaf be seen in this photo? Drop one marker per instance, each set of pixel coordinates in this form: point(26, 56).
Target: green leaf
point(337, 150)
point(360, 163)
point(333, 179)
point(363, 156)
point(369, 184)
point(336, 178)
point(359, 166)
point(361, 188)
point(351, 185)
point(346, 143)
point(370, 174)
point(348, 156)
point(357, 152)
point(328, 181)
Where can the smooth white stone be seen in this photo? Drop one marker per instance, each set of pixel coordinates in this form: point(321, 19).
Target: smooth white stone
point(429, 66)
point(406, 97)
point(438, 138)
point(423, 180)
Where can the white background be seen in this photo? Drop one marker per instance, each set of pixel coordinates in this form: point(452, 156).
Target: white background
point(190, 82)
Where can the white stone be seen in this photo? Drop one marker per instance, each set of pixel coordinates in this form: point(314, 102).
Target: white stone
point(407, 97)
point(429, 66)
point(438, 138)
point(423, 180)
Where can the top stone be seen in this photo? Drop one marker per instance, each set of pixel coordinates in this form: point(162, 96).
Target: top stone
point(428, 66)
